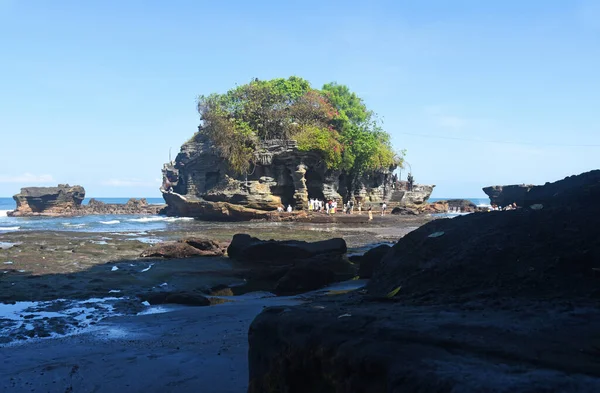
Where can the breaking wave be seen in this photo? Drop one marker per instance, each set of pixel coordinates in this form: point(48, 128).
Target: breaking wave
point(111, 222)
point(4, 229)
point(160, 218)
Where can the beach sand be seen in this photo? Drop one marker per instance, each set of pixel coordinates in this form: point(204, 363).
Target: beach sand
point(193, 349)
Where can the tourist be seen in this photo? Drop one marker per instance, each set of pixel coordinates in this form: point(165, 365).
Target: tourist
point(359, 207)
point(289, 209)
point(370, 213)
point(411, 181)
point(383, 207)
point(350, 205)
point(279, 209)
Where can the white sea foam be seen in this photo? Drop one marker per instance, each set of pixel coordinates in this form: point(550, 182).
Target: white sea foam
point(3, 213)
point(160, 218)
point(114, 269)
point(6, 229)
point(111, 222)
point(68, 224)
point(148, 268)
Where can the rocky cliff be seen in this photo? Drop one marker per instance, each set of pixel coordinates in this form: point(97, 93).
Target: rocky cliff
point(65, 200)
point(199, 182)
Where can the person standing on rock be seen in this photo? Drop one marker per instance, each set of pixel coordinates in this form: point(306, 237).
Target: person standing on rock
point(359, 207)
point(370, 213)
point(289, 208)
point(383, 207)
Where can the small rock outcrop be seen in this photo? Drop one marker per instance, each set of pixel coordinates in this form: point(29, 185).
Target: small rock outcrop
point(292, 266)
point(65, 200)
point(243, 247)
point(60, 200)
point(186, 248)
point(199, 183)
point(492, 301)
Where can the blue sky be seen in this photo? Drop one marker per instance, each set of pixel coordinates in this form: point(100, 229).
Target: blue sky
point(478, 92)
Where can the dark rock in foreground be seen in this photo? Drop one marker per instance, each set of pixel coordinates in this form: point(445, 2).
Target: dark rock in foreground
point(371, 260)
point(293, 266)
point(186, 248)
point(65, 200)
point(247, 248)
point(494, 301)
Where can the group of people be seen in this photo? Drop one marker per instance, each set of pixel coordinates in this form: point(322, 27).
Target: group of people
point(511, 206)
point(281, 209)
point(331, 207)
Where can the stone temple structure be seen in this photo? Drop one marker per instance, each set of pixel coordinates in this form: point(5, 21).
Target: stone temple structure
point(200, 184)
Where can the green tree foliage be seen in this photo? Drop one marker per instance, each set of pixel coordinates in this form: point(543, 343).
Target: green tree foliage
point(333, 121)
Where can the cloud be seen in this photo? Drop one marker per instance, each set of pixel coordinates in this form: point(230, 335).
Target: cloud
point(26, 178)
point(130, 183)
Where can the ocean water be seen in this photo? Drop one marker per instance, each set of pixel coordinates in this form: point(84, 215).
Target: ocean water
point(92, 223)
point(135, 224)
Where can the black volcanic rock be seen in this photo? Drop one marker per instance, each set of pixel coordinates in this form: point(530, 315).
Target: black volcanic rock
point(246, 248)
point(491, 301)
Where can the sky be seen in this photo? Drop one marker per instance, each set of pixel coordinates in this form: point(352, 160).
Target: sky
point(478, 93)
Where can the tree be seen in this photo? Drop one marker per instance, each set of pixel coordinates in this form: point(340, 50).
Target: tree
point(333, 121)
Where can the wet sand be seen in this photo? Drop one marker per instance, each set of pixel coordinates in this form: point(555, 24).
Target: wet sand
point(196, 349)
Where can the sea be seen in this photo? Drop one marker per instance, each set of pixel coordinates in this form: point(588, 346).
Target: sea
point(87, 223)
point(112, 223)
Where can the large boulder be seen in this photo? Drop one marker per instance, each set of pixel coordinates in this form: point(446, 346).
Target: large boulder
point(243, 247)
point(51, 201)
point(185, 248)
point(371, 260)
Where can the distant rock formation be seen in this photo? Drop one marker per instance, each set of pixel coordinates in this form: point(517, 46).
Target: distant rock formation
point(525, 195)
point(60, 200)
point(199, 183)
point(65, 200)
point(505, 195)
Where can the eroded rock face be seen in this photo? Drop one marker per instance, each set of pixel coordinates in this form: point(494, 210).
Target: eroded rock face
point(199, 182)
point(60, 200)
